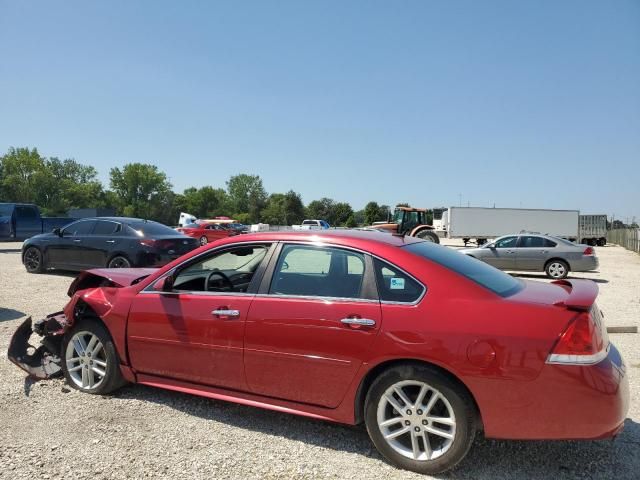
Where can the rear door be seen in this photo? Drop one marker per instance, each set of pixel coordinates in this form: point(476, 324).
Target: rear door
point(531, 253)
point(105, 238)
point(312, 325)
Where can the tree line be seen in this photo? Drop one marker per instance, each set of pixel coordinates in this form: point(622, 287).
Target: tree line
point(142, 190)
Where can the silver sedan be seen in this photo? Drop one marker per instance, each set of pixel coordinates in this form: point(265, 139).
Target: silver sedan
point(539, 253)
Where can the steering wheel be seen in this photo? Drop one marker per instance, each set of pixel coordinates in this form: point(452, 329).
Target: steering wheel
point(223, 276)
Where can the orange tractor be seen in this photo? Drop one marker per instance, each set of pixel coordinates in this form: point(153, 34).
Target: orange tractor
point(409, 221)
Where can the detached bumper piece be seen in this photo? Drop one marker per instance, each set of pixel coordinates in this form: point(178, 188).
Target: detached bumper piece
point(42, 361)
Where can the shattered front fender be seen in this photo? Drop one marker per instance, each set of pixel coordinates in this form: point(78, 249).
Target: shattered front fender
point(42, 361)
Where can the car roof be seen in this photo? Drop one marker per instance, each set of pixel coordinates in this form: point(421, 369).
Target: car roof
point(118, 219)
point(339, 237)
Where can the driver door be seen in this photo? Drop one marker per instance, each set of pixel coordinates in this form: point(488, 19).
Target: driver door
point(502, 253)
point(195, 331)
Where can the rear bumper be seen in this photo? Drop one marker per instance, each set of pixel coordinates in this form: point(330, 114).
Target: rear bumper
point(566, 402)
point(585, 264)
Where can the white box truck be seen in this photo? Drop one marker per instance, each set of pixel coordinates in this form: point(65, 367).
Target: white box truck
point(593, 230)
point(481, 224)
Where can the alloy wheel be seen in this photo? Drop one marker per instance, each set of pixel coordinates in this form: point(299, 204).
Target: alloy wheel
point(416, 420)
point(557, 270)
point(86, 360)
point(119, 262)
point(203, 240)
point(32, 259)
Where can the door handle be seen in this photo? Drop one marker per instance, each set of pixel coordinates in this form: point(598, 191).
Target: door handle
point(223, 312)
point(111, 241)
point(77, 240)
point(365, 322)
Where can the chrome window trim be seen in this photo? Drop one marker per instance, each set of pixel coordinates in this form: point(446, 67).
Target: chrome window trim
point(382, 302)
point(149, 288)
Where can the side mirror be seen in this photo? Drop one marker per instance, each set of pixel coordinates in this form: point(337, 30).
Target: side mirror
point(165, 284)
point(57, 231)
point(492, 246)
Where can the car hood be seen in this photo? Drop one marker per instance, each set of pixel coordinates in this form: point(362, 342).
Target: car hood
point(112, 277)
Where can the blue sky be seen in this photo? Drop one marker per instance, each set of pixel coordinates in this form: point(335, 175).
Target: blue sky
point(533, 104)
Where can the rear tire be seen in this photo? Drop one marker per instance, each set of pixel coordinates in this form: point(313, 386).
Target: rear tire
point(428, 427)
point(557, 269)
point(119, 261)
point(602, 242)
point(428, 235)
point(89, 359)
point(33, 260)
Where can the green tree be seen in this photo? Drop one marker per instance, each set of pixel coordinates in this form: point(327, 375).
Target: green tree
point(351, 222)
point(22, 169)
point(322, 209)
point(247, 195)
point(204, 202)
point(371, 213)
point(341, 213)
point(283, 209)
point(142, 191)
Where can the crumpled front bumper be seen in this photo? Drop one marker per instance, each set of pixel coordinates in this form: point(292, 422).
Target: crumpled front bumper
point(42, 361)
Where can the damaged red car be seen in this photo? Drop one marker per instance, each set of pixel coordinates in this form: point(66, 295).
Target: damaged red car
point(425, 346)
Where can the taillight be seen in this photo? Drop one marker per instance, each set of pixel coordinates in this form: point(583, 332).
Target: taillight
point(589, 251)
point(582, 343)
point(148, 242)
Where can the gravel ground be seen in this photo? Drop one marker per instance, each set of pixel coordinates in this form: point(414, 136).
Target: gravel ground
point(51, 431)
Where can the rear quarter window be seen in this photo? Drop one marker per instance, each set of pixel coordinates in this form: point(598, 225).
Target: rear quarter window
point(475, 270)
point(394, 285)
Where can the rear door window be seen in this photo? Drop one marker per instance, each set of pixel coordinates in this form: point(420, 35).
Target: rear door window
point(104, 227)
point(318, 272)
point(394, 285)
point(531, 242)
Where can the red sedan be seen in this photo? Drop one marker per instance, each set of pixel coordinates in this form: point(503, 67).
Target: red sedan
point(207, 232)
point(422, 344)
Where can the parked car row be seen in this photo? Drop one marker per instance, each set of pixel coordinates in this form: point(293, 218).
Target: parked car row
point(113, 242)
point(425, 346)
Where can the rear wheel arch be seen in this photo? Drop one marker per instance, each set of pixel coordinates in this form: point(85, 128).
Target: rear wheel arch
point(557, 259)
point(375, 372)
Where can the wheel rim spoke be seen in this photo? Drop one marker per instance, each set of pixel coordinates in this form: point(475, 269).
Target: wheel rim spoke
point(85, 368)
point(422, 436)
point(397, 433)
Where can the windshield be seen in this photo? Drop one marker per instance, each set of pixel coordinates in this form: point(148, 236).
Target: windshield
point(481, 273)
point(6, 210)
point(397, 216)
point(144, 229)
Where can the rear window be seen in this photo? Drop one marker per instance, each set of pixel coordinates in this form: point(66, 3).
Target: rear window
point(144, 229)
point(481, 273)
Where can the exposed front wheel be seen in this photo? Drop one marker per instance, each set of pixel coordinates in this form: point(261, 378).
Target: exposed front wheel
point(557, 269)
point(119, 262)
point(90, 362)
point(33, 260)
point(419, 419)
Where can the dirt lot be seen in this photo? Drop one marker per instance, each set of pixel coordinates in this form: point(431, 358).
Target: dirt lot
point(50, 431)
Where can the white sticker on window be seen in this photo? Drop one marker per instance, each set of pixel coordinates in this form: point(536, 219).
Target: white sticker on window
point(397, 283)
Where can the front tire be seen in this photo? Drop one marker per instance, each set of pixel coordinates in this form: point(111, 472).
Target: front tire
point(203, 240)
point(89, 359)
point(33, 260)
point(419, 419)
point(557, 269)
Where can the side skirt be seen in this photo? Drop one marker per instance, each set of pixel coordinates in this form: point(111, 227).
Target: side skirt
point(243, 398)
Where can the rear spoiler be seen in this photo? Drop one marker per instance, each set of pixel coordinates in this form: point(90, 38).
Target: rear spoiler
point(582, 294)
